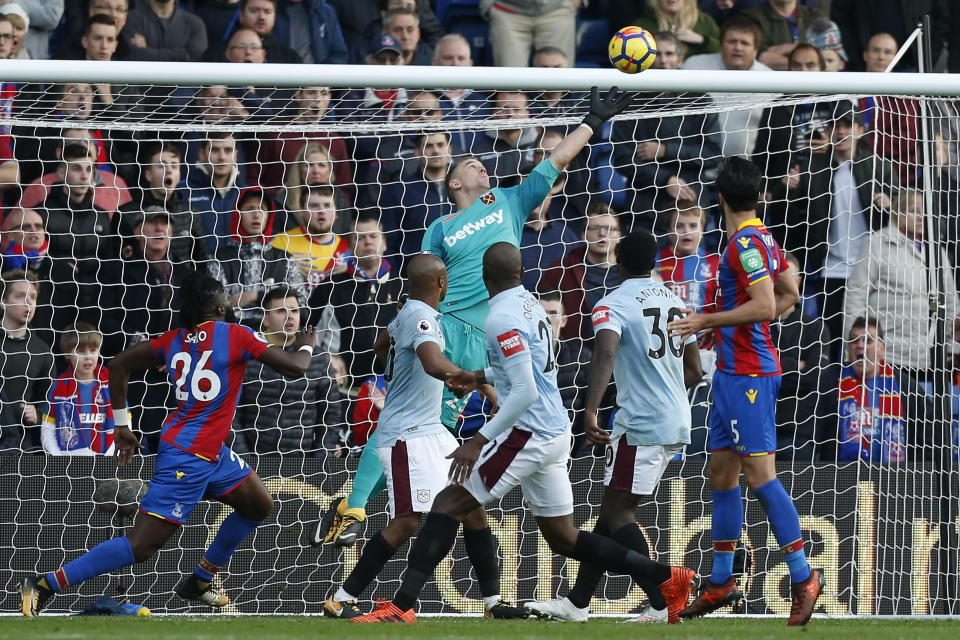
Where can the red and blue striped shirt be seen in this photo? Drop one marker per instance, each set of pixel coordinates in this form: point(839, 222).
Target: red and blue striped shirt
point(751, 255)
point(80, 413)
point(692, 278)
point(206, 366)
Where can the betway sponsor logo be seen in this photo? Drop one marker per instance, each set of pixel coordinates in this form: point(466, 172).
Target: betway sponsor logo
point(472, 227)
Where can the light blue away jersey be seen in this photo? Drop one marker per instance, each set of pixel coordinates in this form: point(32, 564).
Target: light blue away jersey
point(519, 335)
point(412, 406)
point(648, 367)
point(461, 239)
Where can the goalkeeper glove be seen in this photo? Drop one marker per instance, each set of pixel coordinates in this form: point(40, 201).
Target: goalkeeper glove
point(602, 109)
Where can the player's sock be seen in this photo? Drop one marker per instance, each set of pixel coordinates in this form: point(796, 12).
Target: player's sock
point(783, 517)
point(482, 551)
point(725, 530)
point(376, 552)
point(233, 531)
point(615, 558)
point(434, 542)
point(369, 479)
point(105, 557)
point(588, 577)
point(631, 537)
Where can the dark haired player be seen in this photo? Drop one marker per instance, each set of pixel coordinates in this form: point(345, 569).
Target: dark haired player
point(206, 361)
point(652, 424)
point(526, 444)
point(755, 287)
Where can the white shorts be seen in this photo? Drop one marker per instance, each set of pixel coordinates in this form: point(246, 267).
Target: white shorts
point(636, 469)
point(416, 471)
point(539, 467)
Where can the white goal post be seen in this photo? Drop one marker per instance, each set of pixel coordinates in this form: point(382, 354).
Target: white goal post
point(884, 527)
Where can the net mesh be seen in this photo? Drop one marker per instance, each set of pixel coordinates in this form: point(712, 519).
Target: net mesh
point(861, 190)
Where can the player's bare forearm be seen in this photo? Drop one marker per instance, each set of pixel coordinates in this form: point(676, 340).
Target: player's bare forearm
point(292, 365)
point(381, 347)
point(139, 357)
point(601, 367)
point(692, 372)
point(435, 365)
point(570, 146)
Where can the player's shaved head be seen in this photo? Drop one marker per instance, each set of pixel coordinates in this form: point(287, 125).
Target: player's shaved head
point(428, 277)
point(502, 267)
point(637, 254)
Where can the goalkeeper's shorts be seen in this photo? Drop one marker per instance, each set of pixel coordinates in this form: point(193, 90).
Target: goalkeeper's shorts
point(467, 348)
point(181, 480)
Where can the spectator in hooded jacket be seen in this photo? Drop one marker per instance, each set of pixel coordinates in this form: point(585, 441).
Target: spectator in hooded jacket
point(279, 415)
point(44, 17)
point(161, 175)
point(248, 265)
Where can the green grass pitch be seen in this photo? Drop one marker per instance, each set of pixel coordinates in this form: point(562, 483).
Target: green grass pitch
point(291, 627)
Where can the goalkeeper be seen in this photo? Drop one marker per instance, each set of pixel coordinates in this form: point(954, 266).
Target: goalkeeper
point(483, 218)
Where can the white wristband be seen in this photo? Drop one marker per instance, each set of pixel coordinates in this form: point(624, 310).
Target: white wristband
point(121, 417)
point(306, 348)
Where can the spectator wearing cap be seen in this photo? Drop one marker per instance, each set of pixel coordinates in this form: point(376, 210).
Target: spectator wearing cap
point(20, 21)
point(259, 16)
point(404, 25)
point(148, 284)
point(784, 24)
point(162, 31)
point(376, 104)
point(159, 192)
point(518, 27)
point(833, 206)
point(825, 36)
point(860, 20)
point(361, 20)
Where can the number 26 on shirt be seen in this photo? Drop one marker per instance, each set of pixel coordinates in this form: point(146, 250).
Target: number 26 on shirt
point(204, 384)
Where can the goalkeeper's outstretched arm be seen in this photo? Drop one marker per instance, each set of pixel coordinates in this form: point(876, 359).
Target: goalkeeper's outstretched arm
point(601, 110)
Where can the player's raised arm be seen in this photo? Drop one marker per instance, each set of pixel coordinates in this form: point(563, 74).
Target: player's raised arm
point(292, 364)
point(139, 357)
point(601, 110)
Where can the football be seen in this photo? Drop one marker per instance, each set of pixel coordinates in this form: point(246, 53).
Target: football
point(633, 49)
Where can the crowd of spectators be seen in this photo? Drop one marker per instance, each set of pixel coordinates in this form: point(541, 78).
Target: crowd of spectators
point(312, 223)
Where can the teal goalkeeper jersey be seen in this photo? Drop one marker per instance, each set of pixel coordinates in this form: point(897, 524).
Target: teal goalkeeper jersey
point(461, 239)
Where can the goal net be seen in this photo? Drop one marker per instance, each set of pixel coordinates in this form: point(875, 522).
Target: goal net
point(111, 190)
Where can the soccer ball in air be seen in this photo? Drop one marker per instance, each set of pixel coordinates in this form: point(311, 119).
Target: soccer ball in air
point(633, 49)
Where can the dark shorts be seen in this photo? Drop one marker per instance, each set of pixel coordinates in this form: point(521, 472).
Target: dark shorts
point(181, 480)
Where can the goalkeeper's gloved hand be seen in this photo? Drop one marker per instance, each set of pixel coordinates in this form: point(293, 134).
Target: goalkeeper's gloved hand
point(602, 109)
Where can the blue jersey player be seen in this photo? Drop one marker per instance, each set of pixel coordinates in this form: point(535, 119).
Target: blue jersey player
point(653, 372)
point(483, 216)
point(755, 287)
point(205, 361)
point(526, 444)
